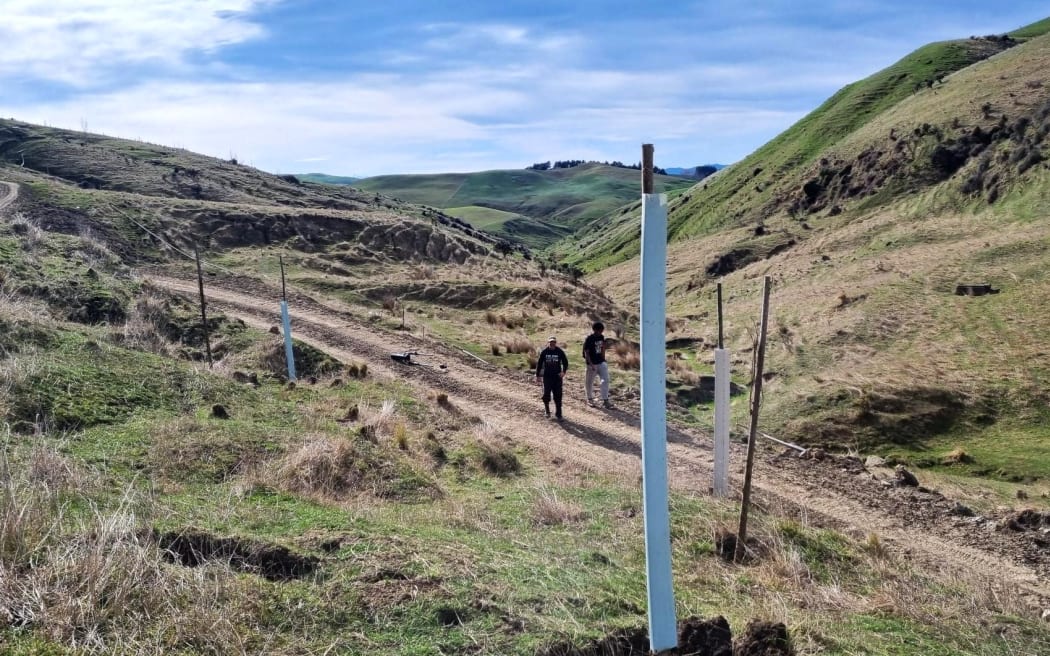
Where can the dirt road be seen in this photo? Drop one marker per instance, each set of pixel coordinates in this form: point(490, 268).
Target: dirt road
point(8, 194)
point(833, 492)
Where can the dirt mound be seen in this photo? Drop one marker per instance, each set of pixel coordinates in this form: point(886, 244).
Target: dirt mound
point(764, 639)
point(712, 637)
point(696, 637)
point(193, 548)
point(1026, 520)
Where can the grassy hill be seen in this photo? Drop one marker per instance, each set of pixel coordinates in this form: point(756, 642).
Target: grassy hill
point(867, 214)
point(771, 180)
point(534, 233)
point(558, 200)
point(324, 178)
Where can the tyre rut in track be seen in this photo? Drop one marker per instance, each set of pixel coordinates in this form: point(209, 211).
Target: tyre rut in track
point(9, 196)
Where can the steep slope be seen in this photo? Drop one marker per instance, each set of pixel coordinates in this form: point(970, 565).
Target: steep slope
point(867, 233)
point(773, 180)
point(558, 200)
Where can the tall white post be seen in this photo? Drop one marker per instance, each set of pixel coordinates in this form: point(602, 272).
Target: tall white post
point(721, 469)
point(288, 340)
point(663, 633)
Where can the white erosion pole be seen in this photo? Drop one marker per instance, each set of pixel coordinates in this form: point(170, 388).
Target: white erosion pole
point(663, 633)
point(287, 323)
point(720, 484)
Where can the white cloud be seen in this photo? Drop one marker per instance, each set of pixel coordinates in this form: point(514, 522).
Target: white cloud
point(441, 95)
point(378, 124)
point(467, 39)
point(78, 42)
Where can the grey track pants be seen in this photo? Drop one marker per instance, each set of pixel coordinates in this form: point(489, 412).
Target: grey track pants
point(600, 371)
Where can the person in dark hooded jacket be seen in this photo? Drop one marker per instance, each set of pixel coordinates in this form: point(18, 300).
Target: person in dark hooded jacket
point(550, 369)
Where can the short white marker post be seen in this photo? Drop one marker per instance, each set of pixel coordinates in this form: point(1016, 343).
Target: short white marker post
point(663, 632)
point(289, 355)
point(288, 340)
point(721, 468)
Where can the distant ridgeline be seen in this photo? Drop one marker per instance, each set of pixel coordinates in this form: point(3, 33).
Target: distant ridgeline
point(570, 163)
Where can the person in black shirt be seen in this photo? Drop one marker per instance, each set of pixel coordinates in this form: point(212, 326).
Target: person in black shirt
point(594, 356)
point(551, 367)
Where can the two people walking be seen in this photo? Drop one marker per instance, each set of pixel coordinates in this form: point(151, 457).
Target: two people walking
point(552, 364)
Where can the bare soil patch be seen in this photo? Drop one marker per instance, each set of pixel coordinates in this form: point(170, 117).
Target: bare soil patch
point(193, 548)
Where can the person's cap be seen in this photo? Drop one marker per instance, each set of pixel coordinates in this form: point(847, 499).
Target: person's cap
point(552, 338)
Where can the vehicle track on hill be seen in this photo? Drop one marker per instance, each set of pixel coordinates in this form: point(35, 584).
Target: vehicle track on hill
point(833, 492)
point(8, 194)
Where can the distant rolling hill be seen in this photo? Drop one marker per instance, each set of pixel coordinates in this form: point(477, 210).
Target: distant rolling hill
point(548, 204)
point(699, 171)
point(324, 178)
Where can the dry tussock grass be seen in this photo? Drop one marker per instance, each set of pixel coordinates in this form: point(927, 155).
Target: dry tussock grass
point(15, 307)
point(549, 510)
point(96, 581)
point(31, 235)
point(15, 372)
point(142, 329)
point(378, 422)
point(94, 251)
point(518, 344)
point(627, 355)
point(496, 457)
point(322, 466)
point(49, 468)
point(676, 364)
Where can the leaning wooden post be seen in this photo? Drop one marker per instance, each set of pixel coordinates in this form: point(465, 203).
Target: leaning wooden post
point(204, 312)
point(663, 632)
point(720, 471)
point(756, 402)
point(289, 353)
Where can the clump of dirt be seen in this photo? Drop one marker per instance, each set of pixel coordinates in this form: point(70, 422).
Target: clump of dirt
point(193, 548)
point(696, 637)
point(1025, 520)
point(725, 547)
point(713, 637)
point(764, 639)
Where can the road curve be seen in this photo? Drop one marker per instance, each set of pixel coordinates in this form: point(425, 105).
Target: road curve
point(8, 194)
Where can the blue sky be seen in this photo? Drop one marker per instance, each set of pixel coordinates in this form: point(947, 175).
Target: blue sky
point(400, 86)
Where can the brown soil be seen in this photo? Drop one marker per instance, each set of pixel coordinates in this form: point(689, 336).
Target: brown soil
point(696, 637)
point(834, 492)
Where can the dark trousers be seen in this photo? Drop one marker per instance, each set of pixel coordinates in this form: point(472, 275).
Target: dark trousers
point(552, 387)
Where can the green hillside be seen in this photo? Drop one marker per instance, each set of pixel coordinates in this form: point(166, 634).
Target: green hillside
point(565, 199)
point(534, 233)
point(868, 214)
point(770, 181)
point(324, 178)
